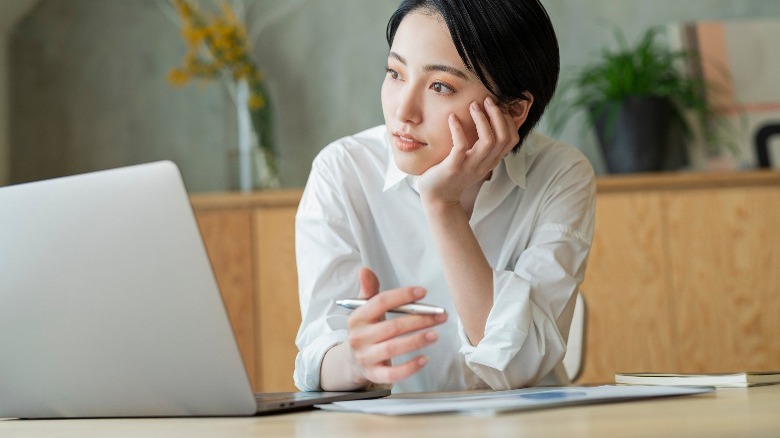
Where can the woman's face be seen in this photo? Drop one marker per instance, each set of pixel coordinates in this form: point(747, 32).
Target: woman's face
point(426, 82)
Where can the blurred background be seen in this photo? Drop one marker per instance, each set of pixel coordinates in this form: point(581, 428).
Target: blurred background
point(83, 83)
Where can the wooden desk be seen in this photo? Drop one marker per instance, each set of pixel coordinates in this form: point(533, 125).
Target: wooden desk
point(728, 412)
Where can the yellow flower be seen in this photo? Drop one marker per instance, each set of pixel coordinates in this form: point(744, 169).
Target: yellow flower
point(227, 11)
point(185, 10)
point(193, 35)
point(217, 46)
point(178, 77)
point(256, 102)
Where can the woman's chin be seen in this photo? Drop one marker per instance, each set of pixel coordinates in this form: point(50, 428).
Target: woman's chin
point(412, 167)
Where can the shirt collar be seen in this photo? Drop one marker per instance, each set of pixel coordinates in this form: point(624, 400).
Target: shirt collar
point(516, 166)
point(394, 175)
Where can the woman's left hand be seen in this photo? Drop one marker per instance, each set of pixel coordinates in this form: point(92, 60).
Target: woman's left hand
point(467, 164)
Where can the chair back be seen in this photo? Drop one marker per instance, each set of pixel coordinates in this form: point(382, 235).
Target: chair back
point(575, 347)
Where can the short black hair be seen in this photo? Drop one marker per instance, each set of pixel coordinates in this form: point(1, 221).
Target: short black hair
point(509, 44)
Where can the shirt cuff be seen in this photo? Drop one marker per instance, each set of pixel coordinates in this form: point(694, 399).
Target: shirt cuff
point(506, 329)
point(308, 362)
point(490, 358)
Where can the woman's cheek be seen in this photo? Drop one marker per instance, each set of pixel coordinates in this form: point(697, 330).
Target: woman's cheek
point(385, 96)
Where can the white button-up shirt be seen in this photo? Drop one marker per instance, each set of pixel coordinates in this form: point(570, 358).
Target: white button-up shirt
point(533, 219)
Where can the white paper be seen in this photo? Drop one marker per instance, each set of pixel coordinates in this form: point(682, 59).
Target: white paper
point(513, 400)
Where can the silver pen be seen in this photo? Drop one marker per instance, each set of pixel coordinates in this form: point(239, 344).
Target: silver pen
point(413, 308)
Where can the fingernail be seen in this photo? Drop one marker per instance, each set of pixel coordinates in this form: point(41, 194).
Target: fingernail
point(489, 101)
point(422, 360)
point(440, 318)
point(418, 292)
point(431, 336)
point(474, 106)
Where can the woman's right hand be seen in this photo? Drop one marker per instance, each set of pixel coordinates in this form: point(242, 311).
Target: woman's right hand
point(373, 340)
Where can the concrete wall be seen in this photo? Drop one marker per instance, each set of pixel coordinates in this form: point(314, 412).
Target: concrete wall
point(89, 90)
point(10, 13)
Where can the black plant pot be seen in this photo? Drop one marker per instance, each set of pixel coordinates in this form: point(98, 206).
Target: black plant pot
point(634, 133)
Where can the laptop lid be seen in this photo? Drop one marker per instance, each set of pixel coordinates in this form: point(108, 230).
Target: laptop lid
point(108, 304)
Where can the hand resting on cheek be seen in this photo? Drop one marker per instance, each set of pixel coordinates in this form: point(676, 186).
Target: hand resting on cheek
point(470, 164)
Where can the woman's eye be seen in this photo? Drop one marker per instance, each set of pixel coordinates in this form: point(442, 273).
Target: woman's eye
point(392, 73)
point(442, 88)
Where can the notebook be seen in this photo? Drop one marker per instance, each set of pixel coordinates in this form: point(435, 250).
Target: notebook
point(109, 306)
point(720, 380)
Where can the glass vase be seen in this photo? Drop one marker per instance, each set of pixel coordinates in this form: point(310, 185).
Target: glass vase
point(256, 164)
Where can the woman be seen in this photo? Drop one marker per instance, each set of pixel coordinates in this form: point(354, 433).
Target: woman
point(454, 201)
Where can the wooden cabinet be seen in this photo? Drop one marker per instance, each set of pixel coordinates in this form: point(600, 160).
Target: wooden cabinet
point(684, 275)
point(626, 293)
point(250, 239)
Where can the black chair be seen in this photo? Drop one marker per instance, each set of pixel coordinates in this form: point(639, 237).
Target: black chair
point(762, 143)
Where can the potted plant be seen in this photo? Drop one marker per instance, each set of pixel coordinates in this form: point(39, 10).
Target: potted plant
point(637, 98)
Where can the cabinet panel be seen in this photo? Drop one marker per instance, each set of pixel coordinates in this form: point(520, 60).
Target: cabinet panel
point(725, 268)
point(626, 292)
point(277, 309)
point(226, 235)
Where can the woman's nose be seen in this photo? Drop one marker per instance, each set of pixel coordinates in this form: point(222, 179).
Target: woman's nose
point(408, 109)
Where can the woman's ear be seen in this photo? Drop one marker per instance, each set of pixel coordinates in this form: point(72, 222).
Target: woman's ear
point(519, 109)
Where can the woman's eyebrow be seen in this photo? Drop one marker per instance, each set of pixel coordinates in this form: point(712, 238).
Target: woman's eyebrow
point(434, 67)
point(447, 69)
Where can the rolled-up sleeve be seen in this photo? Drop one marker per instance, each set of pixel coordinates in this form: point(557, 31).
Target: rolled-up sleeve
point(526, 330)
point(328, 261)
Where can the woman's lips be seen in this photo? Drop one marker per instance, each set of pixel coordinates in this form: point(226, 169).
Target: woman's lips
point(407, 143)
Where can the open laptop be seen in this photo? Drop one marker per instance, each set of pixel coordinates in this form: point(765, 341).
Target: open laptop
point(109, 306)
